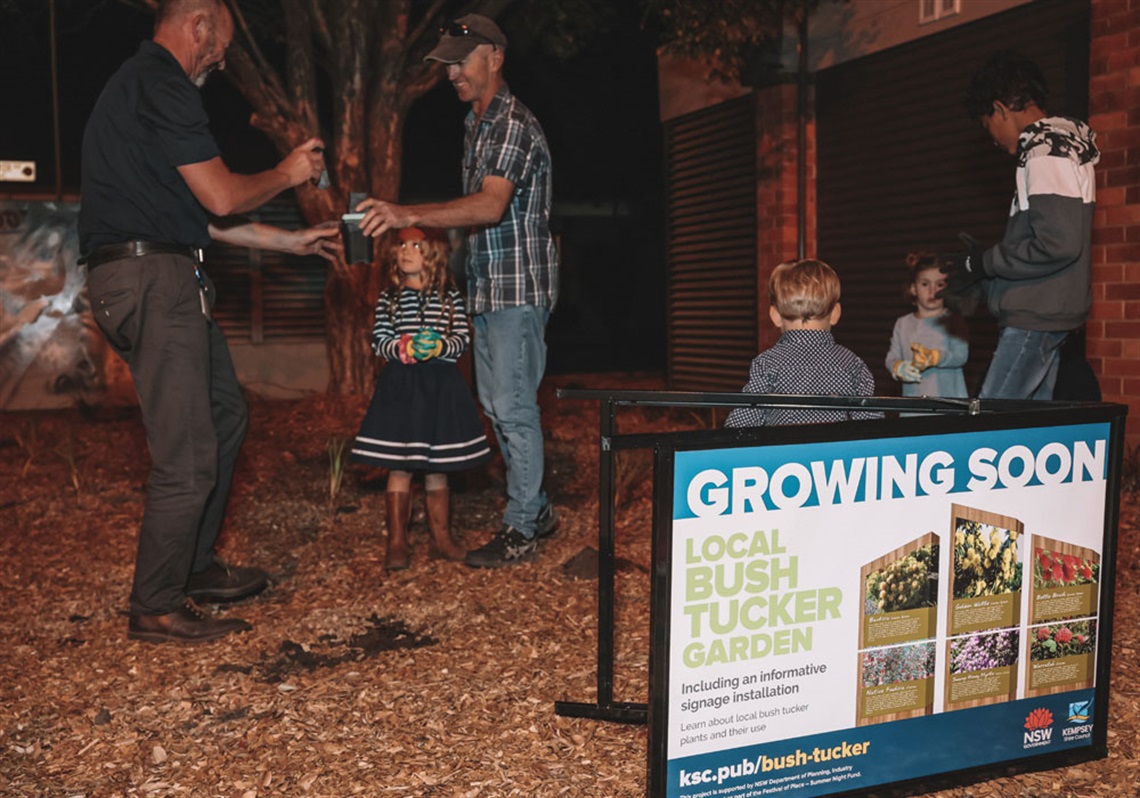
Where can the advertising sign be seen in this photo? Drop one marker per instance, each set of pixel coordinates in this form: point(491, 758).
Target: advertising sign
point(848, 614)
point(51, 352)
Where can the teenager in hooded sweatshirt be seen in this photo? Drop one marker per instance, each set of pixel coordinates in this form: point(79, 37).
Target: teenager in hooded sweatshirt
point(1037, 281)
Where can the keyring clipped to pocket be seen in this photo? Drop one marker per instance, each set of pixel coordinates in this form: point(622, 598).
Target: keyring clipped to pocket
point(202, 287)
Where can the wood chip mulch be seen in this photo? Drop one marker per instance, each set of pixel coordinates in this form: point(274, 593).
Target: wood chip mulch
point(435, 681)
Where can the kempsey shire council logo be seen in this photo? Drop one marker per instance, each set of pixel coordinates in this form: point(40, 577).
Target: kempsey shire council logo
point(1080, 722)
point(1038, 728)
point(1080, 711)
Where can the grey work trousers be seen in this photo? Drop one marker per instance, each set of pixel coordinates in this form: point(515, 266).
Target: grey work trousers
point(192, 408)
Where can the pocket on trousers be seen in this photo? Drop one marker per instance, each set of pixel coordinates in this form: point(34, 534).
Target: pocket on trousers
point(114, 312)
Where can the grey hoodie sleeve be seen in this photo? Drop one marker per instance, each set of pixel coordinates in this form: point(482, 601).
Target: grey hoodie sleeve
point(1051, 218)
point(1052, 232)
point(1041, 272)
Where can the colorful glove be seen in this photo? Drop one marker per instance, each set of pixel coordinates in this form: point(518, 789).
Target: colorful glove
point(427, 344)
point(407, 340)
point(925, 358)
point(963, 270)
point(428, 334)
point(905, 371)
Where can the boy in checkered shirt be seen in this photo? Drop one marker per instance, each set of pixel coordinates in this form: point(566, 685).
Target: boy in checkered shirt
point(805, 360)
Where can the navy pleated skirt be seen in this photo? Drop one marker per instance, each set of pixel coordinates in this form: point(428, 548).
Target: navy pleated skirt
point(422, 418)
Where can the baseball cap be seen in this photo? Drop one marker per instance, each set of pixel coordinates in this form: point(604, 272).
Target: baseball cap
point(460, 36)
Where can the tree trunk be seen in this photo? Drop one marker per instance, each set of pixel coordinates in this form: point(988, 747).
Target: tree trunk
point(350, 298)
point(351, 290)
point(372, 53)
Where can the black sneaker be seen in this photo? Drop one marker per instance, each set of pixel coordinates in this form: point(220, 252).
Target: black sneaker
point(507, 547)
point(547, 522)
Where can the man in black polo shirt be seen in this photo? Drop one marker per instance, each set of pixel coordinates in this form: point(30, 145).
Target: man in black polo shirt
point(155, 191)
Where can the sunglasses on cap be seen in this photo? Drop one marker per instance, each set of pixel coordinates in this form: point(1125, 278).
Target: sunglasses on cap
point(461, 29)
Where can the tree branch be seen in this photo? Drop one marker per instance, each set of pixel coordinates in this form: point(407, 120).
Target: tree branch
point(320, 25)
point(415, 38)
point(351, 26)
point(250, 45)
point(299, 65)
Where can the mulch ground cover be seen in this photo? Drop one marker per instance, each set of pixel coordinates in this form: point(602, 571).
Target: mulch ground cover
point(435, 681)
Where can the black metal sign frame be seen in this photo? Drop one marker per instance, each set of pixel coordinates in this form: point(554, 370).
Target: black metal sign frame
point(937, 417)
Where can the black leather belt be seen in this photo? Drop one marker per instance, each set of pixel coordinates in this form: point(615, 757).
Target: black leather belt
point(135, 249)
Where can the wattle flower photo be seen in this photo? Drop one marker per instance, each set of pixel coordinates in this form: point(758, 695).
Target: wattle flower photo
point(986, 560)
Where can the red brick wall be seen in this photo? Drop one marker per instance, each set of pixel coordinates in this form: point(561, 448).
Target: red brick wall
point(777, 222)
point(1114, 113)
point(1114, 96)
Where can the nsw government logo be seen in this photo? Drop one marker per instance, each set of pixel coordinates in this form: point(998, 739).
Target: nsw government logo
point(1038, 728)
point(1080, 722)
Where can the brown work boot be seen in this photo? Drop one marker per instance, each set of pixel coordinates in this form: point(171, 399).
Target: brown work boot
point(399, 512)
point(442, 546)
point(187, 624)
point(224, 582)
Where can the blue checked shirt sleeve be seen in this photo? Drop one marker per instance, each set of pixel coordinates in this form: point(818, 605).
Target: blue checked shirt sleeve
point(512, 145)
point(513, 262)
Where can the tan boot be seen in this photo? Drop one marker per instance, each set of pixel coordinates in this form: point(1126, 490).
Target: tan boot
point(399, 510)
point(442, 546)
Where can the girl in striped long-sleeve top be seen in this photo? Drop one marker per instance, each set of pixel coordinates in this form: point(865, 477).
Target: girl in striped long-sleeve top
point(422, 417)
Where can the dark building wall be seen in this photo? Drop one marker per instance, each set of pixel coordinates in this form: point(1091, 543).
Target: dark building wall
point(901, 167)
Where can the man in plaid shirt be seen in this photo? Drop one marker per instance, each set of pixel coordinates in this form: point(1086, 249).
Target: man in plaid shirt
point(512, 269)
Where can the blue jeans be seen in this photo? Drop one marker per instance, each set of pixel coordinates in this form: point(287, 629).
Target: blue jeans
point(510, 357)
point(1024, 365)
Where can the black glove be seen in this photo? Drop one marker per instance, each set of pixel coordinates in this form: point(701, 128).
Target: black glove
point(963, 270)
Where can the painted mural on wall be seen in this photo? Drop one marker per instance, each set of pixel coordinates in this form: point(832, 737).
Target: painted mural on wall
point(51, 352)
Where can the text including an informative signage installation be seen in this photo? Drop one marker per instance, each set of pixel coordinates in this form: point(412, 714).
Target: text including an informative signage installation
point(852, 613)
